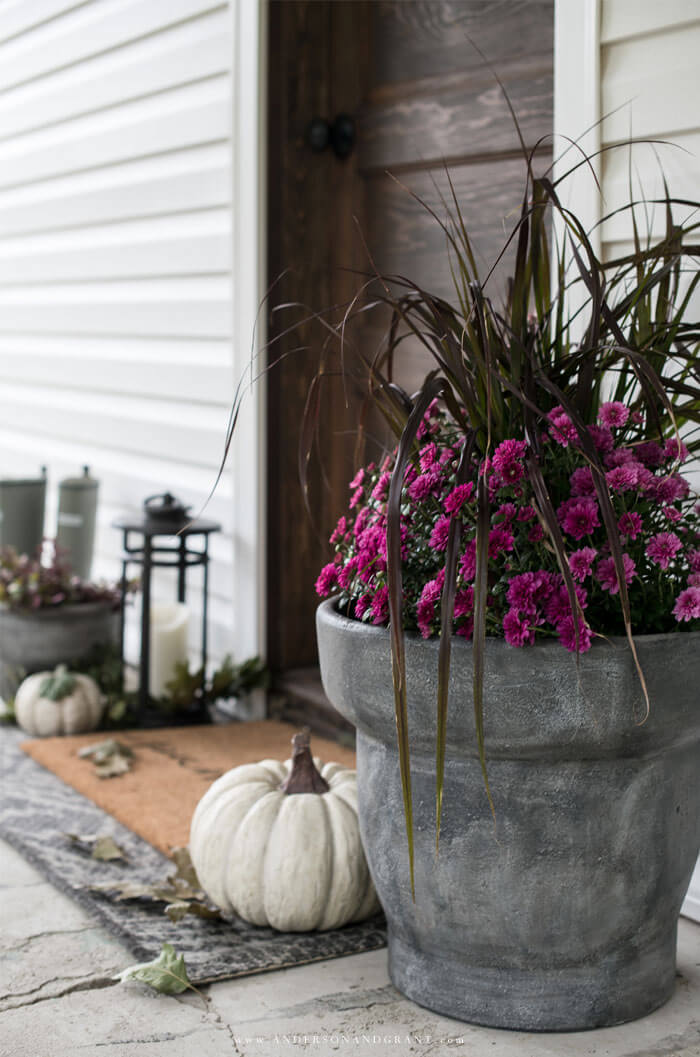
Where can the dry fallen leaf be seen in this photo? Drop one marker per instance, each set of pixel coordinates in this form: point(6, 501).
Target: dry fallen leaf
point(102, 847)
point(166, 973)
point(110, 757)
point(180, 891)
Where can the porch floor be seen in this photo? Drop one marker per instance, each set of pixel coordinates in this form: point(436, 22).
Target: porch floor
point(57, 999)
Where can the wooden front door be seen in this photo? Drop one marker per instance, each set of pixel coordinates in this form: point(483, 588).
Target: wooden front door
point(422, 97)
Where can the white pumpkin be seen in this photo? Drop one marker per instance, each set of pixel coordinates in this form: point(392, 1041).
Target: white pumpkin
point(59, 702)
point(279, 844)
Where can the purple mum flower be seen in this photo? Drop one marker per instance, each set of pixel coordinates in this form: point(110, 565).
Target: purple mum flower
point(687, 605)
point(613, 414)
point(607, 576)
point(663, 547)
point(327, 579)
point(508, 460)
point(581, 562)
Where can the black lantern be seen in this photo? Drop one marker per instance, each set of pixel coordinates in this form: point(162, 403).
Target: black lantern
point(164, 516)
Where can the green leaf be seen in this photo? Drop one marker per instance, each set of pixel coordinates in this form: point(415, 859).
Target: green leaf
point(166, 973)
point(59, 685)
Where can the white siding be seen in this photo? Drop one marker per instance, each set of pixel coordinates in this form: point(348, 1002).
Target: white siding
point(649, 89)
point(119, 145)
point(630, 68)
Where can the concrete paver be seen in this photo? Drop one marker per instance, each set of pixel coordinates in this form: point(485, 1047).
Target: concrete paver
point(58, 999)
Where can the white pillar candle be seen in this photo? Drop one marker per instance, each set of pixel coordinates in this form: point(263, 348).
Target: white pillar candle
point(168, 643)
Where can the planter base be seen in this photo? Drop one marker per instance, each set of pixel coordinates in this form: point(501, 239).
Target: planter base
point(574, 999)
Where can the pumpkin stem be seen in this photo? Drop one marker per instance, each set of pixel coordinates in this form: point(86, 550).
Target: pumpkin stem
point(58, 685)
point(303, 777)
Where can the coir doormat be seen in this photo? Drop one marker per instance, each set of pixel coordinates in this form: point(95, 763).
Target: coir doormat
point(171, 770)
point(38, 809)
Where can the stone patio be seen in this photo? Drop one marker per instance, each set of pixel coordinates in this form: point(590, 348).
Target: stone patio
point(57, 999)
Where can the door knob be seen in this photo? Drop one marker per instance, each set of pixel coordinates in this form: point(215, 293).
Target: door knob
point(340, 135)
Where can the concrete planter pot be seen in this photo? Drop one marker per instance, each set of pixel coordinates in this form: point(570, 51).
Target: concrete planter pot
point(564, 915)
point(39, 640)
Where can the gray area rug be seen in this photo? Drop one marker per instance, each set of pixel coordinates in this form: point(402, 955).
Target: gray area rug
point(37, 809)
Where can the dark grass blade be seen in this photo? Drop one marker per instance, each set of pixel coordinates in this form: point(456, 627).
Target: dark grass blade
point(431, 388)
point(479, 637)
point(446, 617)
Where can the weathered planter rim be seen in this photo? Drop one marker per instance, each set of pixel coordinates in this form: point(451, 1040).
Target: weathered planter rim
point(523, 692)
point(330, 605)
point(65, 609)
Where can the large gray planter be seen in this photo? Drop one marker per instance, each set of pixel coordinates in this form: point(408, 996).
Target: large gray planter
point(38, 640)
point(563, 916)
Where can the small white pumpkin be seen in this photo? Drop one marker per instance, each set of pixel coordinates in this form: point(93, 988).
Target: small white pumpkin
point(279, 844)
point(59, 702)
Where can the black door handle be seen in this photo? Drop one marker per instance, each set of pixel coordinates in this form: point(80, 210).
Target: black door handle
point(340, 136)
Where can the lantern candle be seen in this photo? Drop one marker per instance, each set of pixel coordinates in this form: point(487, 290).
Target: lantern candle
point(169, 622)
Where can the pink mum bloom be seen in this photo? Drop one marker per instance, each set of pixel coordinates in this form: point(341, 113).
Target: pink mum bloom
point(356, 497)
point(362, 605)
point(687, 605)
point(508, 460)
point(464, 602)
point(500, 539)
point(671, 514)
point(567, 635)
point(339, 531)
point(381, 488)
point(607, 577)
point(327, 579)
point(459, 495)
point(694, 560)
point(581, 481)
point(602, 438)
point(621, 478)
point(422, 486)
point(358, 478)
point(579, 516)
point(347, 572)
point(614, 415)
point(581, 562)
point(466, 630)
point(467, 564)
point(559, 606)
point(663, 547)
point(676, 450)
point(380, 606)
point(429, 596)
point(536, 533)
point(507, 512)
point(649, 453)
point(427, 456)
point(438, 537)
point(516, 631)
point(561, 429)
point(694, 580)
point(670, 489)
point(521, 593)
point(527, 513)
point(630, 525)
point(620, 457)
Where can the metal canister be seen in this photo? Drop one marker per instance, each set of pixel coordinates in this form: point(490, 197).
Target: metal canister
point(77, 510)
point(22, 502)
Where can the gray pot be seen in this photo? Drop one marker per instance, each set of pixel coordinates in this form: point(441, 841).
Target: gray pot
point(41, 639)
point(563, 915)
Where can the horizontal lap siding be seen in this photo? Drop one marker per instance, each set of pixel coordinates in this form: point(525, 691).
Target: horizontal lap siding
point(115, 258)
point(650, 77)
point(650, 86)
